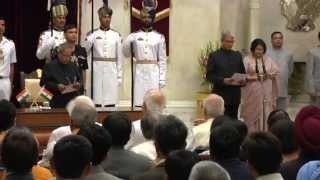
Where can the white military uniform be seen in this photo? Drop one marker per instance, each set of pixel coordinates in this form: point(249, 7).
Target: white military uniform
point(7, 57)
point(107, 65)
point(149, 50)
point(47, 42)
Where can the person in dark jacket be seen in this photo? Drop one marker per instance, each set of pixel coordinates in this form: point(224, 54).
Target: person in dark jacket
point(225, 69)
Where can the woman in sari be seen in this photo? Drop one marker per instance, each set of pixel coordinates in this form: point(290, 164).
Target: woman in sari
point(260, 93)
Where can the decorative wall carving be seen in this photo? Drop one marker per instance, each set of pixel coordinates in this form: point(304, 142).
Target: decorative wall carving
point(300, 14)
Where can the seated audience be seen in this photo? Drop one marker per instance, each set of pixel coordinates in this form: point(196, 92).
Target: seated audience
point(283, 130)
point(208, 170)
point(306, 132)
point(82, 112)
point(100, 140)
point(169, 134)
point(154, 103)
point(19, 153)
point(277, 115)
point(71, 157)
point(147, 148)
point(179, 164)
point(7, 114)
point(264, 155)
point(309, 171)
point(121, 162)
point(225, 142)
point(213, 107)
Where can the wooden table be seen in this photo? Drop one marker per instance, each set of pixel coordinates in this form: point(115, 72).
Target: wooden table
point(43, 122)
point(50, 119)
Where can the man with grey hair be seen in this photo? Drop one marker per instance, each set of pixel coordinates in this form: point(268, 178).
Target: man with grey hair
point(213, 107)
point(82, 112)
point(62, 77)
point(225, 69)
point(208, 170)
point(147, 148)
point(154, 102)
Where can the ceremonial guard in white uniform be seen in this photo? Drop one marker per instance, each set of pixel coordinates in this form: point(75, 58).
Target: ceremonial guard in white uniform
point(7, 60)
point(149, 51)
point(107, 60)
point(54, 36)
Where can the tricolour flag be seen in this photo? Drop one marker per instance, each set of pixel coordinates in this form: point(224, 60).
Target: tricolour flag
point(45, 93)
point(23, 95)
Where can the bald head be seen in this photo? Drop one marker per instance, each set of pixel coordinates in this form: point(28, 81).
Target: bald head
point(213, 106)
point(81, 111)
point(154, 102)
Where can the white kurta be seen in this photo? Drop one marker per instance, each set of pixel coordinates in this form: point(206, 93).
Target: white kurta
point(48, 40)
point(7, 57)
point(107, 65)
point(313, 72)
point(147, 47)
point(284, 61)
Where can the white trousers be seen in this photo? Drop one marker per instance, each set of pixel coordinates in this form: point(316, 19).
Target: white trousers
point(5, 89)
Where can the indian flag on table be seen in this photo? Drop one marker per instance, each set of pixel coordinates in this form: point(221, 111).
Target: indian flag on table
point(23, 95)
point(46, 94)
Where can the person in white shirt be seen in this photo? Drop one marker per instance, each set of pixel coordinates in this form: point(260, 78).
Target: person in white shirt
point(284, 60)
point(148, 148)
point(54, 36)
point(81, 111)
point(149, 51)
point(7, 60)
point(107, 60)
point(213, 107)
point(154, 103)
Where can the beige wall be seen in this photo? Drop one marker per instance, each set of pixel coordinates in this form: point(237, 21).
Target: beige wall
point(297, 42)
point(192, 24)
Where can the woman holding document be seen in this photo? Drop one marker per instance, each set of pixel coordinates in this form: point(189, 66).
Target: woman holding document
point(260, 93)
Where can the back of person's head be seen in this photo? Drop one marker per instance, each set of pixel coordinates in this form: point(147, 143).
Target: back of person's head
point(7, 114)
point(100, 140)
point(71, 156)
point(82, 111)
point(241, 128)
point(213, 106)
point(179, 164)
point(119, 126)
point(148, 123)
point(306, 131)
point(220, 120)
point(170, 134)
point(277, 115)
point(154, 101)
point(208, 170)
point(283, 130)
point(263, 151)
point(225, 142)
point(19, 150)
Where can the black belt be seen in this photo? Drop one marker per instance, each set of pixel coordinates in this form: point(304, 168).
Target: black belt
point(1, 77)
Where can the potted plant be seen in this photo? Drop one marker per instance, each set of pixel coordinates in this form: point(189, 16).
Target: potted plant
point(206, 85)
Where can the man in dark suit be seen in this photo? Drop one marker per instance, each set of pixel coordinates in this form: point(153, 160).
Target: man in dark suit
point(169, 135)
point(226, 71)
point(120, 162)
point(62, 77)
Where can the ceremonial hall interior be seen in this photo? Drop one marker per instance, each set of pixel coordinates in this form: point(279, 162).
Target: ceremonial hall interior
point(160, 89)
